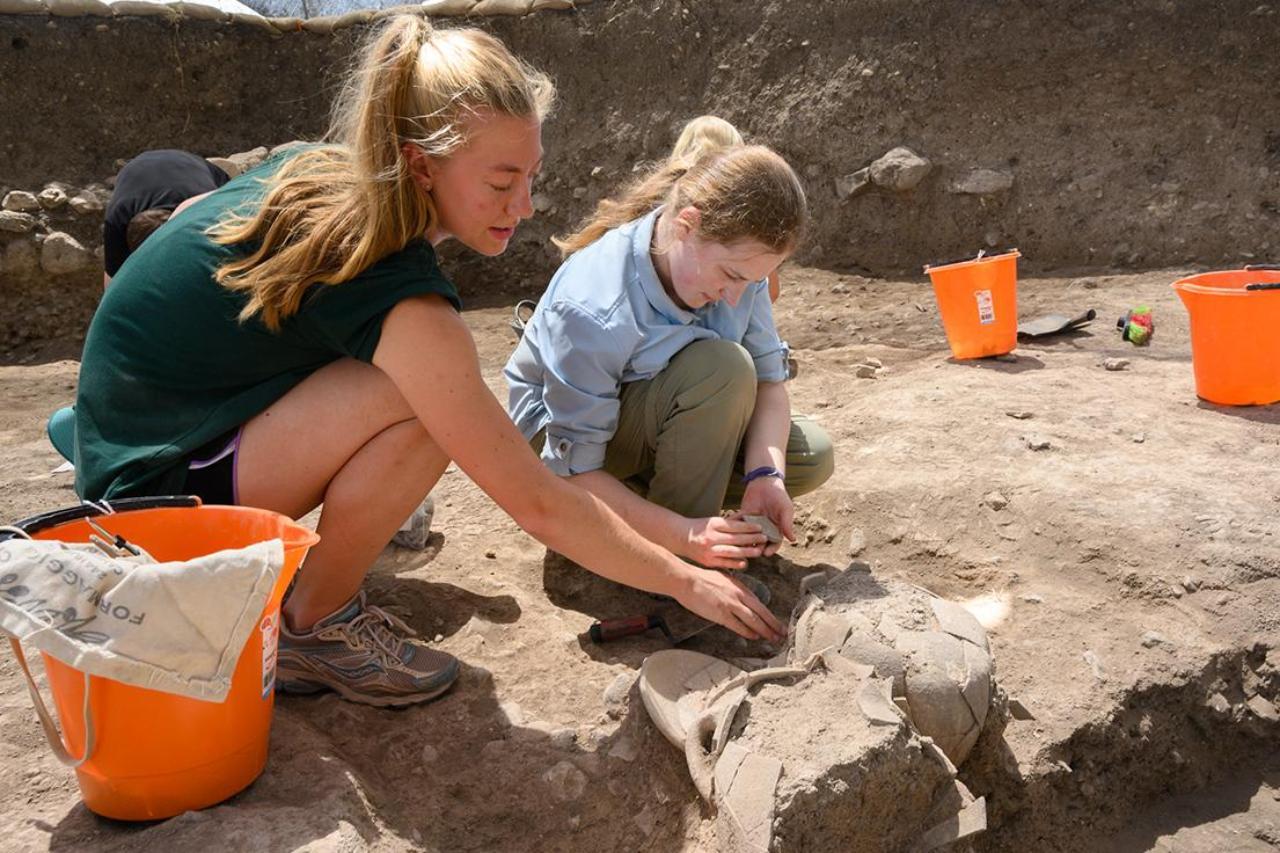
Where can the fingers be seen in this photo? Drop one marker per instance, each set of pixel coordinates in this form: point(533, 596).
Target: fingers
point(742, 540)
point(755, 617)
point(755, 620)
point(734, 524)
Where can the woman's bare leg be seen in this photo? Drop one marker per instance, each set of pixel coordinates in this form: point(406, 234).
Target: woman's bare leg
point(344, 437)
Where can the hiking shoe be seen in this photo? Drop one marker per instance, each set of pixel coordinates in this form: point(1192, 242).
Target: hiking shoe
point(361, 653)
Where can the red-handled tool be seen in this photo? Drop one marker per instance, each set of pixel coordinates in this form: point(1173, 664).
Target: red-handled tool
point(615, 629)
point(678, 625)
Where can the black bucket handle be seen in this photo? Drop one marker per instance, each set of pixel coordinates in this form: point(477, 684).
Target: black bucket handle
point(53, 518)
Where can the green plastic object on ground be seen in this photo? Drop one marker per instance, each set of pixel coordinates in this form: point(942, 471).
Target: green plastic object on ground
point(1138, 326)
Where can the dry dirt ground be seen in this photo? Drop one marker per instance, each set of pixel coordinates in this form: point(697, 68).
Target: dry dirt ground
point(1137, 554)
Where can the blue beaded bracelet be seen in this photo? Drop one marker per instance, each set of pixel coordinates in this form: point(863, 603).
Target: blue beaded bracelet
point(762, 471)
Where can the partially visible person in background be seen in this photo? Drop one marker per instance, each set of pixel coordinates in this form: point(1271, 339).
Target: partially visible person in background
point(147, 190)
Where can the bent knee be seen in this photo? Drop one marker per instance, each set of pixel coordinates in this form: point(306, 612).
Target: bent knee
point(725, 364)
point(811, 457)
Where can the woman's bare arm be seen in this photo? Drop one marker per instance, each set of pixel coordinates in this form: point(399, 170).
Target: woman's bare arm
point(428, 352)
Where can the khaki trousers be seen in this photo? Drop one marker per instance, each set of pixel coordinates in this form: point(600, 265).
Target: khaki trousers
point(679, 436)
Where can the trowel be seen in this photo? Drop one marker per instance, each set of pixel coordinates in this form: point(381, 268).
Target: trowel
point(1055, 324)
point(676, 624)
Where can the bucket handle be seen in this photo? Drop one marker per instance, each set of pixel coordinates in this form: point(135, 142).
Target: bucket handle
point(44, 521)
point(1254, 267)
point(46, 720)
point(1263, 285)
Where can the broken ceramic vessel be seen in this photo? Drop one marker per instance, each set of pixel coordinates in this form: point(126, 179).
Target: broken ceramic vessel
point(788, 766)
point(933, 652)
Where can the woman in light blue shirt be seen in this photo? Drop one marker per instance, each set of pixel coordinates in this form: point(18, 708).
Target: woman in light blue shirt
point(653, 359)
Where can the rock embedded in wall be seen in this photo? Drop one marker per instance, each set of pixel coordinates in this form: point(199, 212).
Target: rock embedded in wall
point(52, 197)
point(20, 201)
point(19, 259)
point(900, 170)
point(61, 254)
point(16, 223)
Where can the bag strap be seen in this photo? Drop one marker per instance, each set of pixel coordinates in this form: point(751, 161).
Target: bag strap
point(46, 721)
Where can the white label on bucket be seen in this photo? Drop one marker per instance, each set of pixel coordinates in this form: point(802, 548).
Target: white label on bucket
point(270, 629)
point(986, 307)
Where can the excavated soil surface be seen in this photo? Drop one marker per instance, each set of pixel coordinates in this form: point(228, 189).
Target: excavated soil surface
point(1137, 556)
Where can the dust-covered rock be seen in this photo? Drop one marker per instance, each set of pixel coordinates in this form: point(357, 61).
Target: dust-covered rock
point(85, 203)
point(20, 259)
point(857, 542)
point(61, 254)
point(995, 500)
point(853, 183)
point(900, 170)
point(20, 200)
point(16, 222)
point(52, 197)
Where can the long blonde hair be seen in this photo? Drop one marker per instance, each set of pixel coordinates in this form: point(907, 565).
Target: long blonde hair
point(702, 135)
point(748, 192)
point(331, 212)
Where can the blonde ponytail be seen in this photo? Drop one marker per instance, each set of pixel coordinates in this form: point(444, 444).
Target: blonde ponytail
point(331, 212)
point(703, 135)
point(747, 192)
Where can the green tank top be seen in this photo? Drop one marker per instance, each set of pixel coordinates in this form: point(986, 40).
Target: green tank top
point(168, 366)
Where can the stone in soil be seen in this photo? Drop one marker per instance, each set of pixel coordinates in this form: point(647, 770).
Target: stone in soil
point(900, 170)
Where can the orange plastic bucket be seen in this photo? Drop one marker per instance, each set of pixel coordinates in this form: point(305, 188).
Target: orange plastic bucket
point(157, 754)
point(978, 302)
point(1235, 335)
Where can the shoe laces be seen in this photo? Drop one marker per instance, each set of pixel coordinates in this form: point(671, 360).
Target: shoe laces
point(373, 629)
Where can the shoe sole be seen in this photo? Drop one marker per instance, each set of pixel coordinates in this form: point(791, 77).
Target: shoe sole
point(307, 687)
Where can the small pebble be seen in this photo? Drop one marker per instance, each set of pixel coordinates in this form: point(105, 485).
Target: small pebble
point(857, 541)
point(1091, 658)
point(1219, 703)
point(874, 362)
point(615, 695)
point(564, 738)
point(490, 555)
point(429, 754)
point(1151, 639)
point(1114, 364)
point(995, 500)
point(1036, 442)
point(1032, 598)
point(865, 371)
point(1019, 415)
point(1139, 438)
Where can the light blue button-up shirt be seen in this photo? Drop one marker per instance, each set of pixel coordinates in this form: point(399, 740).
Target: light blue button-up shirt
point(604, 320)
